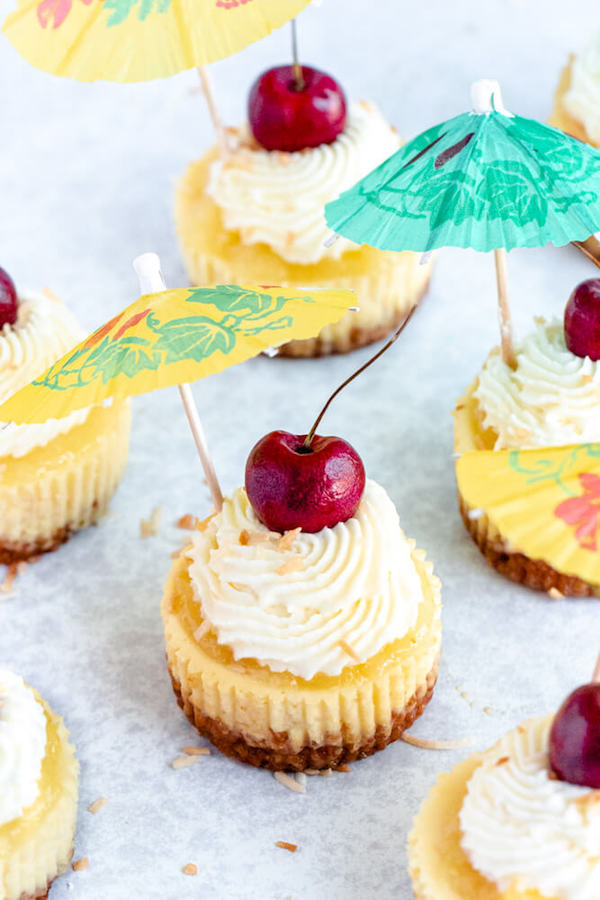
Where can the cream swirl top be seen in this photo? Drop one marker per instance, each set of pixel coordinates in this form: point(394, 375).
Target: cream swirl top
point(290, 607)
point(22, 746)
point(582, 100)
point(277, 198)
point(43, 332)
point(551, 399)
point(522, 829)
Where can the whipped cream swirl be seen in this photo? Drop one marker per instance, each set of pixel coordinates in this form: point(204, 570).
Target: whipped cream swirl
point(522, 829)
point(43, 332)
point(22, 746)
point(292, 608)
point(551, 399)
point(582, 100)
point(277, 198)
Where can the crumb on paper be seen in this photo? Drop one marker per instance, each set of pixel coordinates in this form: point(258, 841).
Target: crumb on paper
point(285, 845)
point(294, 564)
point(151, 526)
point(555, 593)
point(343, 768)
point(285, 542)
point(190, 869)
point(9, 579)
point(188, 522)
point(349, 650)
point(80, 864)
point(202, 631)
point(181, 762)
point(289, 782)
point(428, 744)
point(488, 710)
point(196, 751)
point(97, 805)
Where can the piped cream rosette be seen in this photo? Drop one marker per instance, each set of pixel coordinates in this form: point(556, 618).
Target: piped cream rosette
point(38, 792)
point(500, 827)
point(302, 650)
point(58, 476)
point(528, 467)
point(257, 215)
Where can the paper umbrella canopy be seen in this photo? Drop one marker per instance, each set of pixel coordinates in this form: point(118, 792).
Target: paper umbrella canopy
point(135, 40)
point(546, 502)
point(172, 337)
point(486, 179)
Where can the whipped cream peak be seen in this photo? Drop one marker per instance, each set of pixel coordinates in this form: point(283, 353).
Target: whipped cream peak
point(551, 399)
point(22, 746)
point(582, 100)
point(277, 198)
point(44, 331)
point(523, 829)
point(293, 604)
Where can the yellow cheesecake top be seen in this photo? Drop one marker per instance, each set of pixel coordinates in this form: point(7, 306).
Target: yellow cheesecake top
point(306, 603)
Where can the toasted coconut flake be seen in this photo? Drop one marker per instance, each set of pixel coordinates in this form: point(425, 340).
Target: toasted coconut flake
point(189, 522)
point(312, 772)
point(202, 631)
point(427, 744)
point(190, 869)
point(555, 593)
point(350, 651)
point(244, 537)
point(9, 579)
point(285, 542)
point(97, 805)
point(180, 762)
point(502, 761)
point(196, 751)
point(287, 846)
point(326, 773)
point(151, 526)
point(343, 768)
point(261, 537)
point(80, 864)
point(290, 783)
point(587, 379)
point(49, 293)
point(293, 564)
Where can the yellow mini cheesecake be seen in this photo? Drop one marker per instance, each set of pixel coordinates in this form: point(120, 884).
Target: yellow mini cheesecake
point(549, 400)
point(38, 792)
point(277, 651)
point(59, 476)
point(256, 216)
point(561, 117)
point(500, 826)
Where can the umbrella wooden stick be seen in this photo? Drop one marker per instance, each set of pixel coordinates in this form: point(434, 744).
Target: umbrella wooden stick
point(596, 672)
point(212, 108)
point(147, 267)
point(506, 333)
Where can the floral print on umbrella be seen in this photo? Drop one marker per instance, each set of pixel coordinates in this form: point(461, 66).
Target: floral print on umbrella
point(583, 511)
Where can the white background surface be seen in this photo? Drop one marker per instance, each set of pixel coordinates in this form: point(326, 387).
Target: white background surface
point(86, 183)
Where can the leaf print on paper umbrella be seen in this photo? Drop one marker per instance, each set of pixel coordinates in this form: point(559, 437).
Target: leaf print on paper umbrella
point(120, 9)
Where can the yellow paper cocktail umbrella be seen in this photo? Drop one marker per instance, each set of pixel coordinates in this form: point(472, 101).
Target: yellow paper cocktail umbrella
point(136, 40)
point(174, 337)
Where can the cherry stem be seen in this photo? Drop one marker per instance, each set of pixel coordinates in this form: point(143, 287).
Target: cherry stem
point(298, 77)
point(380, 352)
point(596, 672)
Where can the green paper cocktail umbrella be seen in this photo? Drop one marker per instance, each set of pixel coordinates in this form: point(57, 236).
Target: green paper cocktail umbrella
point(488, 180)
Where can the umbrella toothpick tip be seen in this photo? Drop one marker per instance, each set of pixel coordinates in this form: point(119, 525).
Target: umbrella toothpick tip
point(147, 269)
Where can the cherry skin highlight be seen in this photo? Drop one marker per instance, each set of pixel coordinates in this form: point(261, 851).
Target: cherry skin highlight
point(575, 738)
point(283, 116)
point(582, 320)
point(9, 302)
point(290, 486)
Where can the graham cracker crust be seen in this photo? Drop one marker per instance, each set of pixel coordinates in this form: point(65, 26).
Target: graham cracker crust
point(533, 573)
point(278, 756)
point(14, 552)
point(356, 337)
point(43, 892)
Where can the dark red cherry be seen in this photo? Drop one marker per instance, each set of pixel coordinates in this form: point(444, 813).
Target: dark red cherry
point(284, 116)
point(575, 738)
point(582, 319)
point(9, 302)
point(293, 486)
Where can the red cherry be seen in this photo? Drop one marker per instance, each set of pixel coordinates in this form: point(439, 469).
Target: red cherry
point(582, 319)
point(285, 117)
point(291, 486)
point(9, 302)
point(575, 738)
